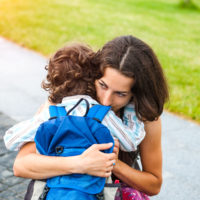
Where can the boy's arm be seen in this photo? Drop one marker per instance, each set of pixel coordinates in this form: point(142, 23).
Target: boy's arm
point(23, 132)
point(129, 135)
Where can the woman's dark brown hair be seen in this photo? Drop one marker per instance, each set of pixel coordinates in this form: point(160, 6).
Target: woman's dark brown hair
point(70, 72)
point(134, 58)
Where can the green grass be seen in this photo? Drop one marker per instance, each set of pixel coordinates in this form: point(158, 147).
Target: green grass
point(189, 4)
point(172, 31)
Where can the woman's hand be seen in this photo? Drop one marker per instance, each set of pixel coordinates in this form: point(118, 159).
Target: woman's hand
point(95, 162)
point(116, 150)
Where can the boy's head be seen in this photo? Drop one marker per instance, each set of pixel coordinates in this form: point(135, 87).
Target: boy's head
point(70, 72)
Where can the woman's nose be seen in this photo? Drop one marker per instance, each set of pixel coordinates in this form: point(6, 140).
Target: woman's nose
point(107, 99)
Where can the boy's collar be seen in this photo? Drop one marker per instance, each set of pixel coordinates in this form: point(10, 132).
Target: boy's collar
point(77, 97)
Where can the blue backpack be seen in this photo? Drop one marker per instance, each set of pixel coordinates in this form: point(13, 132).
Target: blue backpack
point(67, 135)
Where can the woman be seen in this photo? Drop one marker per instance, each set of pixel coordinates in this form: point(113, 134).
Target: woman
point(132, 78)
point(129, 66)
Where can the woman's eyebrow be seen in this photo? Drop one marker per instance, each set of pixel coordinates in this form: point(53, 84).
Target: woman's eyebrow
point(103, 82)
point(123, 92)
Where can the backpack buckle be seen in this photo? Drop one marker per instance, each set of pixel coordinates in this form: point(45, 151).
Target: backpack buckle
point(59, 149)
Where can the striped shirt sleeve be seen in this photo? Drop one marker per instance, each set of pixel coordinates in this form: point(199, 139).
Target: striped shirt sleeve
point(24, 132)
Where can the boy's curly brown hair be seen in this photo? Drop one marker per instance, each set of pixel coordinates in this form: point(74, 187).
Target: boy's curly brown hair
point(70, 72)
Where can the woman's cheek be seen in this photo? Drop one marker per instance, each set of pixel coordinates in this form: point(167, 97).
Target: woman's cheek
point(118, 104)
point(123, 102)
point(99, 94)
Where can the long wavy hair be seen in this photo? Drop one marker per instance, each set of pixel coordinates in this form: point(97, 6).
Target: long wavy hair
point(135, 59)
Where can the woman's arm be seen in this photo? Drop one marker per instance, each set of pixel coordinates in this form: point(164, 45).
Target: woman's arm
point(29, 164)
point(150, 179)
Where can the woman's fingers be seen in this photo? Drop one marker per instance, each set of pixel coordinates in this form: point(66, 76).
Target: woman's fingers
point(107, 174)
point(116, 148)
point(111, 164)
point(102, 146)
point(116, 142)
point(97, 163)
point(110, 156)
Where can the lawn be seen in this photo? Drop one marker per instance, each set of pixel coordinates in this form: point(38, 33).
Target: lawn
point(173, 32)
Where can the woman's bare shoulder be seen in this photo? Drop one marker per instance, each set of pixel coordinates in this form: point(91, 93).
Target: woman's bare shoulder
point(153, 127)
point(151, 145)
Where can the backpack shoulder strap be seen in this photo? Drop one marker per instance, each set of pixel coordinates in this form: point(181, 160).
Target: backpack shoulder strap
point(56, 111)
point(98, 112)
point(80, 100)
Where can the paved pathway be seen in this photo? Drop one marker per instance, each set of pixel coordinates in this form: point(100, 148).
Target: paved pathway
point(21, 72)
point(11, 188)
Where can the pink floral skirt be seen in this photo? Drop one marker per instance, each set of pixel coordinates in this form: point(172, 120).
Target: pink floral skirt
point(128, 193)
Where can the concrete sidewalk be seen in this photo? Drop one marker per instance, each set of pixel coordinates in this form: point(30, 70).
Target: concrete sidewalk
point(21, 72)
point(11, 188)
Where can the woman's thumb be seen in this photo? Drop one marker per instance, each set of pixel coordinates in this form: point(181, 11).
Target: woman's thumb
point(104, 146)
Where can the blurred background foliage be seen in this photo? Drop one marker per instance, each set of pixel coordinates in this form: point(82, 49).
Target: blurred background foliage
point(171, 27)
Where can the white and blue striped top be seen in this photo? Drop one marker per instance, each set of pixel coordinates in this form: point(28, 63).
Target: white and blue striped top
point(130, 132)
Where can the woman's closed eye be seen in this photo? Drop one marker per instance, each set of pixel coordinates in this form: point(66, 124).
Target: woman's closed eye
point(121, 94)
point(118, 93)
point(103, 85)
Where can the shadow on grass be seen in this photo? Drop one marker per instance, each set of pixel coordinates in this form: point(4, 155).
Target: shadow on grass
point(167, 7)
point(190, 6)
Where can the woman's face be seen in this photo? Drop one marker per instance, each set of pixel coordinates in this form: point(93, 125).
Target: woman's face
point(114, 89)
